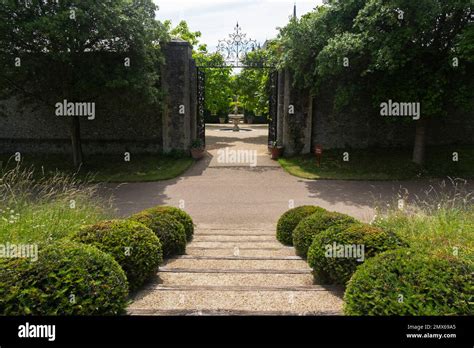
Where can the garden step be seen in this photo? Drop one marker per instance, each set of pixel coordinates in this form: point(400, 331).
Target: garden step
point(232, 257)
point(249, 271)
point(236, 264)
point(225, 232)
point(289, 288)
point(241, 244)
point(234, 279)
point(303, 302)
point(233, 238)
point(190, 312)
point(229, 251)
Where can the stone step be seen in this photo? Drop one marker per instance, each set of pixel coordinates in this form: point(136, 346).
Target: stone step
point(241, 244)
point(245, 264)
point(231, 301)
point(233, 238)
point(233, 257)
point(232, 232)
point(249, 271)
point(216, 252)
point(233, 279)
point(214, 313)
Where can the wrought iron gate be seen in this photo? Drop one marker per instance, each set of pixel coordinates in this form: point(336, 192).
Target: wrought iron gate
point(273, 107)
point(201, 97)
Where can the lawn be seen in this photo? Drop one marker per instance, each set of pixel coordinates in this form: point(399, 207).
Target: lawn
point(107, 168)
point(46, 209)
point(382, 164)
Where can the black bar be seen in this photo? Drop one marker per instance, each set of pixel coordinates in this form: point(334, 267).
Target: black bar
point(240, 330)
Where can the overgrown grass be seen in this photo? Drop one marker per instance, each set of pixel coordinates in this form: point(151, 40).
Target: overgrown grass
point(383, 164)
point(41, 209)
point(441, 222)
point(106, 168)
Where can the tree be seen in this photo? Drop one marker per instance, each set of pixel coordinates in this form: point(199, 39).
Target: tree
point(54, 51)
point(218, 75)
point(251, 83)
point(218, 80)
point(409, 51)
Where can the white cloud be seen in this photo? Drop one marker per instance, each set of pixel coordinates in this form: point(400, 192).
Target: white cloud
point(217, 18)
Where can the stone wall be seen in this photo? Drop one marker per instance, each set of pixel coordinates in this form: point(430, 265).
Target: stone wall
point(315, 122)
point(123, 123)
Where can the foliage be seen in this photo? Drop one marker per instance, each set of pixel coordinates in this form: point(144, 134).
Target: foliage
point(67, 279)
point(338, 269)
point(439, 221)
point(372, 51)
point(290, 219)
point(179, 215)
point(382, 164)
point(78, 51)
point(168, 229)
point(135, 247)
point(183, 32)
point(107, 168)
point(409, 282)
point(39, 207)
point(316, 223)
point(251, 84)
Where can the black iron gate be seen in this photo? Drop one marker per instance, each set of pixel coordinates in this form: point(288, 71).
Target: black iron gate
point(273, 107)
point(201, 97)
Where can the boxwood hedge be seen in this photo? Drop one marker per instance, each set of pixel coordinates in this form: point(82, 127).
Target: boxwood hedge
point(405, 282)
point(316, 223)
point(67, 279)
point(169, 231)
point(335, 253)
point(289, 220)
point(179, 215)
point(133, 245)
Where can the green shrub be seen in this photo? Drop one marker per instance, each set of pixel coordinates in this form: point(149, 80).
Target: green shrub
point(289, 220)
point(329, 265)
point(169, 230)
point(67, 279)
point(404, 282)
point(179, 215)
point(133, 245)
point(309, 227)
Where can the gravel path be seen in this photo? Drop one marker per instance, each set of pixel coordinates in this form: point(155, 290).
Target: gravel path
point(235, 265)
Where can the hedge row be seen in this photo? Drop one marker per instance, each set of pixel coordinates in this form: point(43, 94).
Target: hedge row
point(382, 274)
point(92, 272)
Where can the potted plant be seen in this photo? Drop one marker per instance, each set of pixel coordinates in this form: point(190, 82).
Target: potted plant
point(276, 149)
point(197, 149)
point(222, 119)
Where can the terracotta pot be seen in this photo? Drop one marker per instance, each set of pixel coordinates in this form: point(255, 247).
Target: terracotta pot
point(276, 152)
point(197, 153)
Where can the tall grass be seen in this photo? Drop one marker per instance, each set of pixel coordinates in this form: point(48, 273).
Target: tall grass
point(441, 221)
point(37, 208)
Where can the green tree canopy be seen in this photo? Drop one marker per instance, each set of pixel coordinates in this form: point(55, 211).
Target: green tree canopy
point(78, 50)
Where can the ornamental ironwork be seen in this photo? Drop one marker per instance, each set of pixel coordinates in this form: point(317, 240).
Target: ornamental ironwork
point(235, 48)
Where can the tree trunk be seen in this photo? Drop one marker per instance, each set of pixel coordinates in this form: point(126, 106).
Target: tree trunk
point(76, 142)
point(420, 142)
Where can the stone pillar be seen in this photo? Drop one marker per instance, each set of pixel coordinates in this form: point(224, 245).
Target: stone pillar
point(193, 99)
point(297, 118)
point(176, 83)
point(280, 105)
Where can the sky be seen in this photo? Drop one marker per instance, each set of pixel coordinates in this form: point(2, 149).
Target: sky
point(215, 19)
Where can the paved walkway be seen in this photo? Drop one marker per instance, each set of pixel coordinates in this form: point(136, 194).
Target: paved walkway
point(234, 265)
